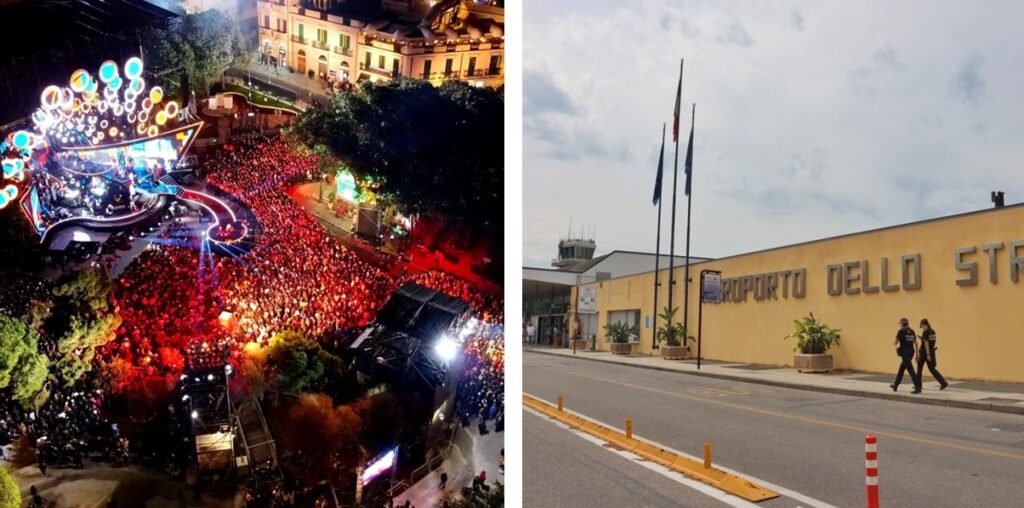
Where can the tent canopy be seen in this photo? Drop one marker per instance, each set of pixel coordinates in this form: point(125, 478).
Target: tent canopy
point(421, 312)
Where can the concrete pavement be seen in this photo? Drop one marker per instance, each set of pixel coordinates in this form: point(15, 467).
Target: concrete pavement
point(561, 470)
point(470, 454)
point(809, 443)
point(1000, 397)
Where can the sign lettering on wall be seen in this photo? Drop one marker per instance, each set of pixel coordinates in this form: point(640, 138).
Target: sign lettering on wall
point(712, 287)
point(587, 301)
point(888, 274)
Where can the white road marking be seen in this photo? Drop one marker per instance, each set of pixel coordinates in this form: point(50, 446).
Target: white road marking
point(699, 486)
point(806, 500)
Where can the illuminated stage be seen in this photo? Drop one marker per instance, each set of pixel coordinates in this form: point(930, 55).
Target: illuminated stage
point(102, 157)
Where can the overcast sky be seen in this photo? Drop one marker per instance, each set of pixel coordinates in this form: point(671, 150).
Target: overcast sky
point(813, 118)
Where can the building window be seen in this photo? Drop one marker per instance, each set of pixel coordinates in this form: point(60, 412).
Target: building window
point(321, 35)
point(266, 21)
point(344, 41)
point(495, 65)
point(448, 67)
point(426, 69)
point(472, 66)
point(380, 62)
point(367, 64)
point(394, 67)
point(302, 29)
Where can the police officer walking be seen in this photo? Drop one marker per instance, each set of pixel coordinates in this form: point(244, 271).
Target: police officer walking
point(905, 339)
point(926, 354)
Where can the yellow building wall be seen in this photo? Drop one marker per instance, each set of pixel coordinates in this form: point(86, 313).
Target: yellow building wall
point(980, 328)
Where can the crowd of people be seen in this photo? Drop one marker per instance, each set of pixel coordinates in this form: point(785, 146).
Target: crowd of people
point(174, 297)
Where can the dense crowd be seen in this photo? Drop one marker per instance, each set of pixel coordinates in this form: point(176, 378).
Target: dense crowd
point(295, 276)
point(65, 430)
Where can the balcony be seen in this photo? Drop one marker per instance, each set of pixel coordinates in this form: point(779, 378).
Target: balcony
point(483, 73)
point(378, 71)
point(299, 40)
point(439, 76)
point(321, 45)
point(343, 51)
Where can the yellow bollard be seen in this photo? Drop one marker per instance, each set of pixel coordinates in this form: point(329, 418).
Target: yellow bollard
point(707, 455)
point(559, 402)
point(629, 428)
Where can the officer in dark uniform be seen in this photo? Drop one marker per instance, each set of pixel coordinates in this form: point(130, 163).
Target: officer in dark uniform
point(905, 341)
point(926, 354)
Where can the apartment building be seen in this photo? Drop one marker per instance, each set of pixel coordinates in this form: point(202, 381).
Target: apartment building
point(353, 41)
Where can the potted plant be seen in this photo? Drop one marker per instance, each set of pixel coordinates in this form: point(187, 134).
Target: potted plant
point(619, 333)
point(814, 339)
point(672, 336)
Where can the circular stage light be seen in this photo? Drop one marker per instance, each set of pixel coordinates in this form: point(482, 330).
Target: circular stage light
point(115, 84)
point(137, 86)
point(51, 97)
point(21, 140)
point(80, 80)
point(113, 131)
point(93, 86)
point(171, 109)
point(42, 119)
point(133, 67)
point(108, 71)
point(86, 107)
point(156, 94)
point(76, 105)
point(143, 116)
point(110, 94)
point(161, 117)
point(141, 129)
point(103, 124)
point(67, 97)
point(147, 104)
point(117, 109)
point(152, 131)
point(129, 106)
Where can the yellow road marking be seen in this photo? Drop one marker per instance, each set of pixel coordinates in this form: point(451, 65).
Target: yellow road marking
point(808, 419)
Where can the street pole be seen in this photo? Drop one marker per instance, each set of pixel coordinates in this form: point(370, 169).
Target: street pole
point(689, 207)
point(675, 179)
point(657, 251)
point(700, 311)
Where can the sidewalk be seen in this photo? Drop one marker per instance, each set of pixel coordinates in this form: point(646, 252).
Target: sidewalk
point(1000, 397)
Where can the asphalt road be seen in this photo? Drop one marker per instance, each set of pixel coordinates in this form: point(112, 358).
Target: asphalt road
point(563, 470)
point(808, 442)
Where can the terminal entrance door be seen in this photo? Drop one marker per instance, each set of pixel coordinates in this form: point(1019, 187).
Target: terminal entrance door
point(301, 64)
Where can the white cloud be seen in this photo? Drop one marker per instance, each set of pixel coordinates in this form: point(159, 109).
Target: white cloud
point(826, 118)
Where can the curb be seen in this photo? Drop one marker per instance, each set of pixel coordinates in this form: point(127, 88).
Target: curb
point(962, 404)
point(706, 472)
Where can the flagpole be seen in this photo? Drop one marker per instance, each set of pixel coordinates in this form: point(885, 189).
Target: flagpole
point(657, 249)
point(675, 178)
point(689, 202)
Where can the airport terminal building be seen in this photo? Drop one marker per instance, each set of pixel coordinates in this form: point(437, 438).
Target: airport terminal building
point(965, 273)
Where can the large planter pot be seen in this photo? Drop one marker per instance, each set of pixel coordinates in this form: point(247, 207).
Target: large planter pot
point(812, 363)
point(675, 352)
point(580, 344)
point(621, 348)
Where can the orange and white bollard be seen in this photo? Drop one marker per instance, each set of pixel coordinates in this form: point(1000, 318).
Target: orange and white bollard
point(871, 469)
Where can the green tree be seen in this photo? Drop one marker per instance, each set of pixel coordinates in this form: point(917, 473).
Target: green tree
point(202, 46)
point(295, 362)
point(10, 495)
point(77, 346)
point(23, 369)
point(84, 292)
point(436, 150)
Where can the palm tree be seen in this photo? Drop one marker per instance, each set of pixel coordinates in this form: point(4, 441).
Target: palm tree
point(671, 333)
